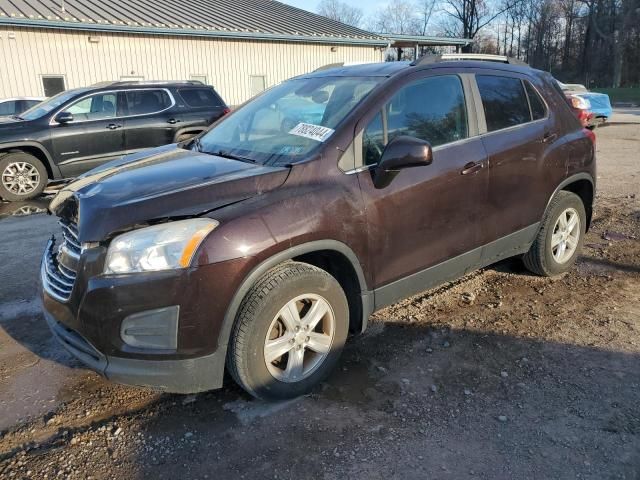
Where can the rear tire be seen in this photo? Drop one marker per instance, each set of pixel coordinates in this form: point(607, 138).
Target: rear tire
point(276, 353)
point(22, 176)
point(559, 241)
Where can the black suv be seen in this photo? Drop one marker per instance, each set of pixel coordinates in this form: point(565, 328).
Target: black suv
point(79, 129)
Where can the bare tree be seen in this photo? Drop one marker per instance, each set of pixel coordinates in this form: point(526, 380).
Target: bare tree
point(341, 12)
point(398, 17)
point(425, 10)
point(472, 15)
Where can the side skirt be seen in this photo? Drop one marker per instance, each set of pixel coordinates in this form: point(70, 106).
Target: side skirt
point(513, 244)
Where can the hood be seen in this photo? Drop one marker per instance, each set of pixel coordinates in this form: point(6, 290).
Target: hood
point(9, 122)
point(161, 183)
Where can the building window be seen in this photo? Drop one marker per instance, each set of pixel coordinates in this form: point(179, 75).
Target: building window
point(199, 78)
point(53, 85)
point(258, 84)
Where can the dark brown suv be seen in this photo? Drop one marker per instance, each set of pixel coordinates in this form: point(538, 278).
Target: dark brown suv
point(260, 244)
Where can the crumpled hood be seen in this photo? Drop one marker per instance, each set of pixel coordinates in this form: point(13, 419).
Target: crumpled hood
point(164, 182)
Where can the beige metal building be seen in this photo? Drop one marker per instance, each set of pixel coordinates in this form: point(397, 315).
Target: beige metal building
point(239, 46)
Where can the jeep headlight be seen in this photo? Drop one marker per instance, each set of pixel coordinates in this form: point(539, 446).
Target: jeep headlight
point(160, 247)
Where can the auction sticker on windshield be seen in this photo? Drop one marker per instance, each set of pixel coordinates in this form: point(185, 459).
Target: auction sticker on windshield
point(314, 132)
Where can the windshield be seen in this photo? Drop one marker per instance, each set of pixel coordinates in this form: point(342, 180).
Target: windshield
point(50, 104)
point(289, 121)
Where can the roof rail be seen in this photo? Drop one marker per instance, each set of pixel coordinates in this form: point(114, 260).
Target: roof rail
point(329, 65)
point(429, 59)
point(145, 82)
point(341, 64)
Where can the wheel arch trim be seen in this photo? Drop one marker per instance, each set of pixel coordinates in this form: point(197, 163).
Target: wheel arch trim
point(50, 165)
point(258, 271)
point(569, 181)
point(195, 130)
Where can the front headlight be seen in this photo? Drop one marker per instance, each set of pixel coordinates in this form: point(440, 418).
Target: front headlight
point(160, 247)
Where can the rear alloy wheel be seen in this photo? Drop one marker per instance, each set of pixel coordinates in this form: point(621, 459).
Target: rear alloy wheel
point(22, 176)
point(289, 332)
point(560, 238)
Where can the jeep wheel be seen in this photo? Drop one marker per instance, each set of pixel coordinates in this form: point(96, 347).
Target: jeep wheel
point(560, 238)
point(22, 176)
point(289, 332)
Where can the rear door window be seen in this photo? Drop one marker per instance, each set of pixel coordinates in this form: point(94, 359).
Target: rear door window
point(200, 97)
point(431, 109)
point(143, 102)
point(504, 101)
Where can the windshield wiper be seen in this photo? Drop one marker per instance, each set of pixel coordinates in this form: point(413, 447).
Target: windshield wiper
point(17, 117)
point(225, 154)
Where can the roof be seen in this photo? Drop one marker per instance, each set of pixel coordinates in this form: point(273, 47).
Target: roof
point(252, 19)
point(388, 69)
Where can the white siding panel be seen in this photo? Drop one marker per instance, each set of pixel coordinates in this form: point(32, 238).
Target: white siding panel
point(227, 64)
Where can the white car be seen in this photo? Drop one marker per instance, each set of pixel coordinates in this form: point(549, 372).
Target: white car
point(17, 105)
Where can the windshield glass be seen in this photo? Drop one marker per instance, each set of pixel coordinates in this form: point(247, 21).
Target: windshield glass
point(287, 122)
point(50, 104)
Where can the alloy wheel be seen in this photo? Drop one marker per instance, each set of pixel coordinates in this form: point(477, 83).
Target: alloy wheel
point(299, 338)
point(20, 178)
point(566, 234)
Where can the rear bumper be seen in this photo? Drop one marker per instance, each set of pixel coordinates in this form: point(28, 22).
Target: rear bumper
point(176, 376)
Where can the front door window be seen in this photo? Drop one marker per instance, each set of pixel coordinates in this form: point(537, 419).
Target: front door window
point(95, 107)
point(431, 109)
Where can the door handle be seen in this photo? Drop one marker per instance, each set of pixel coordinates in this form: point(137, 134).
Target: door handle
point(173, 121)
point(113, 126)
point(549, 137)
point(472, 167)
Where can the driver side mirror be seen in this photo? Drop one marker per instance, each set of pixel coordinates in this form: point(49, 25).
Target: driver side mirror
point(64, 117)
point(400, 153)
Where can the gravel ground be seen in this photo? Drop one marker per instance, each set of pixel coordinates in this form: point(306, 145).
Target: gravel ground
point(498, 375)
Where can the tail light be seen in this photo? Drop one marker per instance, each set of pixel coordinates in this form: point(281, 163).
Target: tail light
point(226, 111)
point(590, 133)
point(584, 116)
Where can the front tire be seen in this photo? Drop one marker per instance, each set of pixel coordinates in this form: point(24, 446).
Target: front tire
point(289, 332)
point(22, 176)
point(560, 238)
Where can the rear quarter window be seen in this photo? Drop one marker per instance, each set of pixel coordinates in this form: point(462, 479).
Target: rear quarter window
point(504, 101)
point(200, 97)
point(538, 108)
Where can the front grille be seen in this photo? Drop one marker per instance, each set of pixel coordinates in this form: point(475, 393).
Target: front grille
point(70, 236)
point(59, 266)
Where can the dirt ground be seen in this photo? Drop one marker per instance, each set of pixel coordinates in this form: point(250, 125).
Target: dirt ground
point(498, 375)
